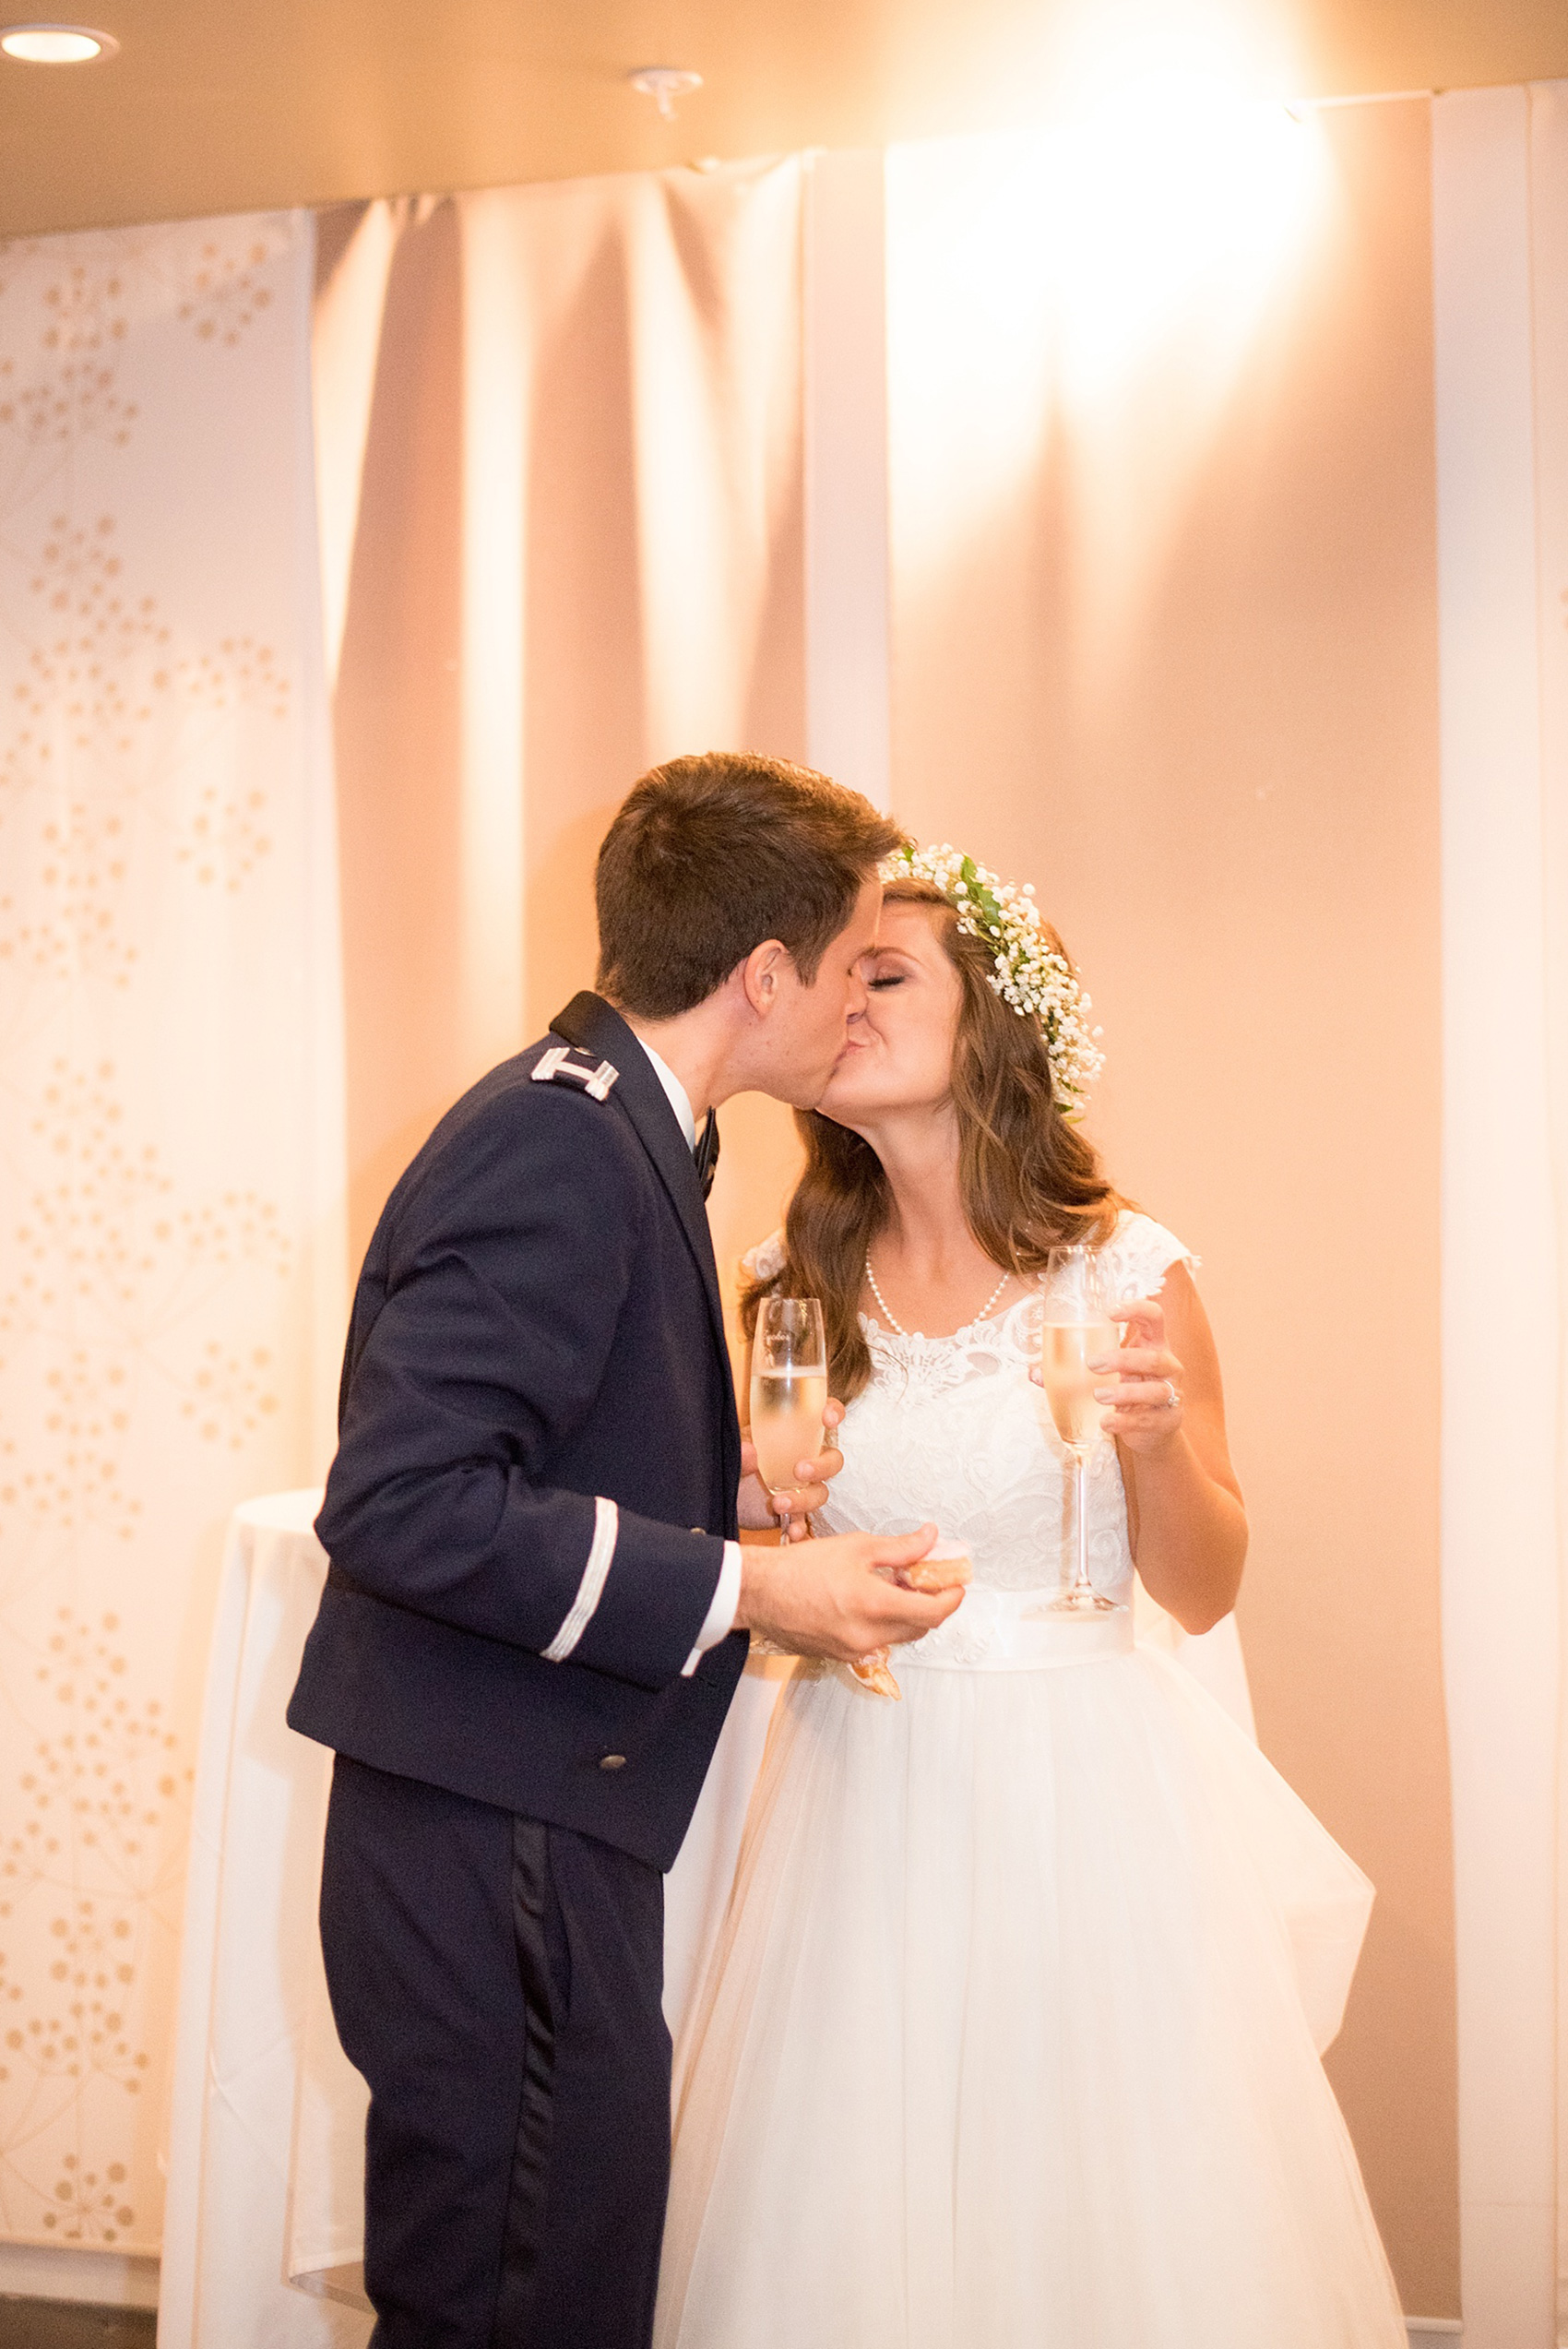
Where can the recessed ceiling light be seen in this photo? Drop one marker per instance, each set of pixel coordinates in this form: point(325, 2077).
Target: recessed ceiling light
point(52, 44)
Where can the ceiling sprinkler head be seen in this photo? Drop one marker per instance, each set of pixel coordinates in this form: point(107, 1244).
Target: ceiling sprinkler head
point(664, 84)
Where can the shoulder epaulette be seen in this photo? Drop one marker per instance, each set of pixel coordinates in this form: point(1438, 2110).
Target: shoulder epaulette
point(564, 1064)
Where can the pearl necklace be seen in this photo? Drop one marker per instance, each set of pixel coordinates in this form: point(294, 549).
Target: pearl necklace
point(897, 1326)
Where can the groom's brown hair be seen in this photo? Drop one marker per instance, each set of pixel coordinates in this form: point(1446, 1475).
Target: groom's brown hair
point(708, 856)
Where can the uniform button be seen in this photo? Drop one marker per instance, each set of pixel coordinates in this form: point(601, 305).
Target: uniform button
point(699, 1529)
point(613, 1762)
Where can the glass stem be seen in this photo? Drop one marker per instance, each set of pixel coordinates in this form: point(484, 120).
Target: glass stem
point(1080, 1502)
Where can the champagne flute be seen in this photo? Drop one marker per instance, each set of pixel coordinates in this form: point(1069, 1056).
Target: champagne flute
point(1077, 1326)
point(788, 1389)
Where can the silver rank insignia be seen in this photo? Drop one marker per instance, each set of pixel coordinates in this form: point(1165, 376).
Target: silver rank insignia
point(564, 1064)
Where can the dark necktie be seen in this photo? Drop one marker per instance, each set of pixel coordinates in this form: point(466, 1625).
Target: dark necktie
point(704, 1158)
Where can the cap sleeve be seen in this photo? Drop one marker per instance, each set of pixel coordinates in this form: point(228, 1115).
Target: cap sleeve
point(1141, 1252)
point(765, 1261)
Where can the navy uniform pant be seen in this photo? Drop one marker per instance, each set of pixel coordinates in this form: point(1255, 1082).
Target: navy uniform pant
point(498, 1982)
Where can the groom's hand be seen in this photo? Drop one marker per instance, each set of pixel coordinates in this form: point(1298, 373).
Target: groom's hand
point(760, 1509)
point(830, 1598)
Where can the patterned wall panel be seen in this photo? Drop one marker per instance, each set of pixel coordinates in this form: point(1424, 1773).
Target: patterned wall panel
point(168, 1033)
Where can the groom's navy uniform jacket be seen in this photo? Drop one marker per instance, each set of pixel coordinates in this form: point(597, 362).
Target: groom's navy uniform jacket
point(526, 1523)
point(538, 1461)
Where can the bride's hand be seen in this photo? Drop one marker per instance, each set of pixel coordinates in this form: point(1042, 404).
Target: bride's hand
point(1146, 1397)
point(760, 1509)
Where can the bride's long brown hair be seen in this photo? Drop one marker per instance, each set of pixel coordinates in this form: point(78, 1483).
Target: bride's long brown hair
point(1027, 1180)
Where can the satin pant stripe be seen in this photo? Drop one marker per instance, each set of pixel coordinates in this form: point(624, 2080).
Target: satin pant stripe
point(533, 1904)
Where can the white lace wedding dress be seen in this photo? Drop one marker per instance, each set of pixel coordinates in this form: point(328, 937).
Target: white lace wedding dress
point(1011, 2037)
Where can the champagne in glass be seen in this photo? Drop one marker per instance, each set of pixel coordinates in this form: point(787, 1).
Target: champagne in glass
point(1067, 1349)
point(1076, 1329)
point(788, 1389)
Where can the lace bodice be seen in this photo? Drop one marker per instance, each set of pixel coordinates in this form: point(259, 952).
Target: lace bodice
point(948, 1429)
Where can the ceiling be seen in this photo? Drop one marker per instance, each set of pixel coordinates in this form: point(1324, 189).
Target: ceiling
point(216, 105)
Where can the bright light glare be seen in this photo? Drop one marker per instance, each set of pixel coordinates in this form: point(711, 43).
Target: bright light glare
point(1095, 290)
point(1177, 196)
point(54, 44)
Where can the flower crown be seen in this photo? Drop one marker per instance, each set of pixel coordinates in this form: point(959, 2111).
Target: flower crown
point(1037, 981)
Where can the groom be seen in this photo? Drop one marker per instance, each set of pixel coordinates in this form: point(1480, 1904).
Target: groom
point(536, 1612)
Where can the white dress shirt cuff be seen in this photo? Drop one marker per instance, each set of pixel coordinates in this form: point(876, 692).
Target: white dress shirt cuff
point(720, 1620)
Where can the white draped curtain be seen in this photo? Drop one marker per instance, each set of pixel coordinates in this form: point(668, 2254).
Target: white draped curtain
point(171, 1151)
point(1500, 250)
point(560, 438)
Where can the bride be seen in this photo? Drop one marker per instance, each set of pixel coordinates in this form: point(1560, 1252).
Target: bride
point(1011, 2038)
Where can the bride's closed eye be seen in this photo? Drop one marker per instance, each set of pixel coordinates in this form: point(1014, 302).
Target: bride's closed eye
point(884, 969)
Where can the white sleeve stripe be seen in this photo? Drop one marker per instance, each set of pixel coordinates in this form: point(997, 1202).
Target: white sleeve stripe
point(590, 1590)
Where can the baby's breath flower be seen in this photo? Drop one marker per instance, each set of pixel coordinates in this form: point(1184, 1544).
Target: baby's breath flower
point(1040, 983)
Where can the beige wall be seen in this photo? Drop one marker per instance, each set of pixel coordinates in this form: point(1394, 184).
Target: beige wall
point(1226, 795)
point(1230, 809)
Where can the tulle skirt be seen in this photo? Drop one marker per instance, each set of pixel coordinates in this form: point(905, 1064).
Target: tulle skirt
point(1011, 2039)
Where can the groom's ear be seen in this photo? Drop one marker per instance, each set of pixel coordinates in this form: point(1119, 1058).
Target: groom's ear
point(762, 974)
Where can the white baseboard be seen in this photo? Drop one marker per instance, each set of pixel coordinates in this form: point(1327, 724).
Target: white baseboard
point(64, 2271)
point(129, 2279)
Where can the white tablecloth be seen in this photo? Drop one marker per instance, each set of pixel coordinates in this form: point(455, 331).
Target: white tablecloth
point(262, 2230)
